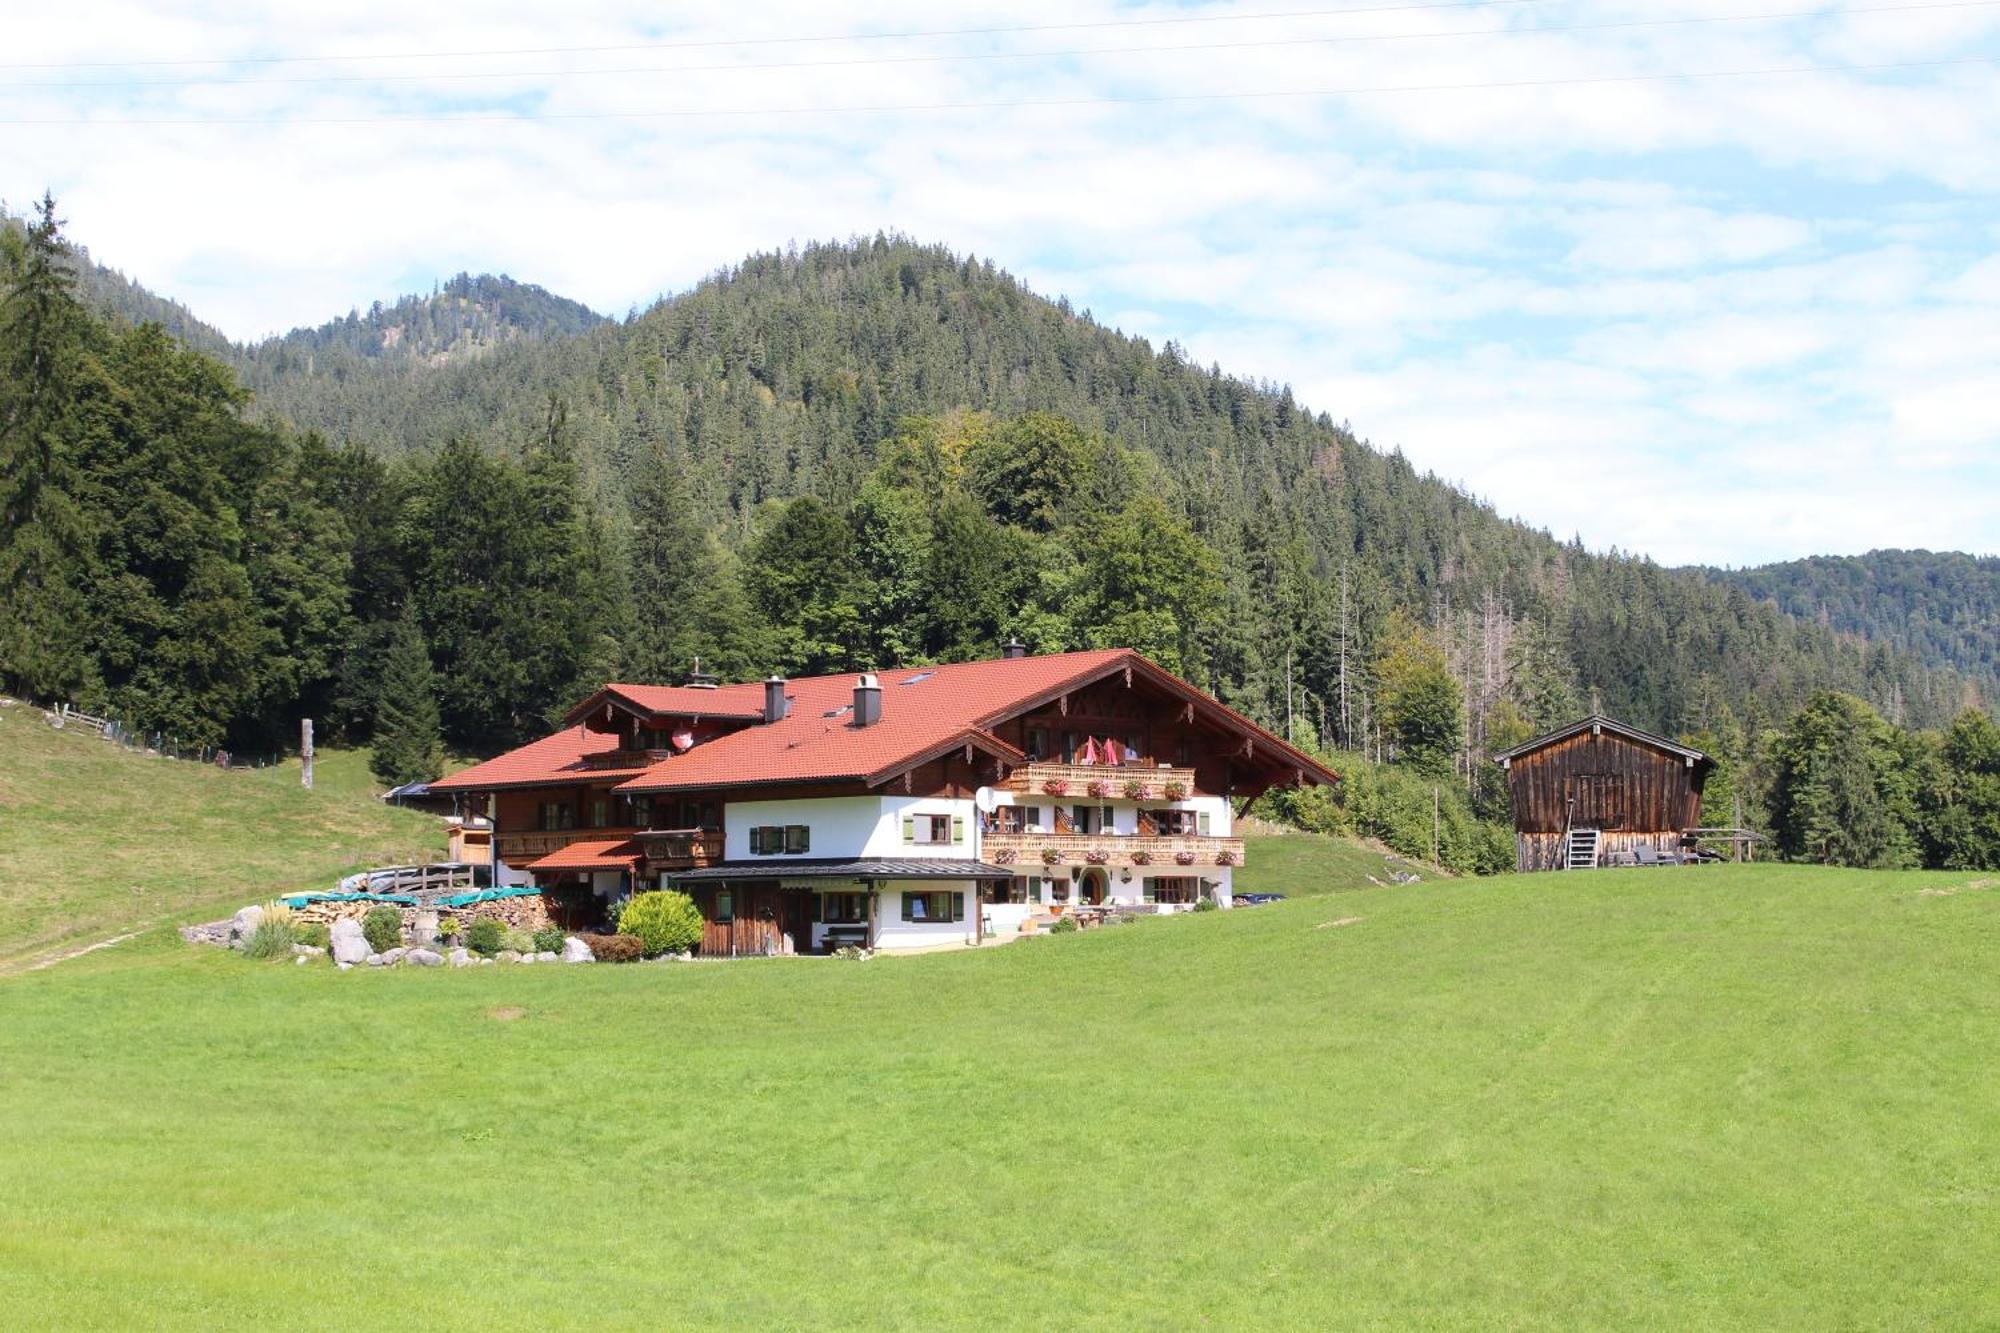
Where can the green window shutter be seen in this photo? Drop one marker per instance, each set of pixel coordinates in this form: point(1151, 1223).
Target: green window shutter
point(819, 913)
point(1201, 824)
point(909, 835)
point(908, 900)
point(958, 828)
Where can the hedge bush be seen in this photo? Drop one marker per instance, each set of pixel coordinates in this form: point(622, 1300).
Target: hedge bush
point(485, 936)
point(664, 921)
point(315, 933)
point(517, 939)
point(615, 948)
point(1064, 926)
point(549, 939)
point(382, 927)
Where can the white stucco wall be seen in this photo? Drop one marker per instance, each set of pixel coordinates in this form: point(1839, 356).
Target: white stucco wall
point(892, 932)
point(1124, 813)
point(848, 826)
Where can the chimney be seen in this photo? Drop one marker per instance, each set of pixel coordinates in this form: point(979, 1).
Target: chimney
point(1014, 648)
point(867, 701)
point(775, 706)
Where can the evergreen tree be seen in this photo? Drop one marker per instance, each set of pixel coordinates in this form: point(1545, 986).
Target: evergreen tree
point(671, 566)
point(406, 741)
point(1838, 794)
point(1420, 704)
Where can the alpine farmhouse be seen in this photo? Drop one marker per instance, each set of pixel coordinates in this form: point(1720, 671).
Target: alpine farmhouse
point(914, 808)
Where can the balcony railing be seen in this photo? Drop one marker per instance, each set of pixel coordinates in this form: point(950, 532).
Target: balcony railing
point(681, 849)
point(1029, 850)
point(1120, 781)
point(625, 758)
point(516, 848)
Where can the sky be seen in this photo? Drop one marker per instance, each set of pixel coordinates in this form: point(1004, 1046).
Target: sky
point(1716, 281)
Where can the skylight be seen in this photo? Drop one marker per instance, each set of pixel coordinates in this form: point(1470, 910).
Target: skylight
point(920, 676)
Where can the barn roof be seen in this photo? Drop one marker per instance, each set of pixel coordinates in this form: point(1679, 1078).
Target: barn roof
point(1598, 722)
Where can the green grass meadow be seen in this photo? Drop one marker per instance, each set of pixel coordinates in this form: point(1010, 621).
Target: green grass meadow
point(96, 841)
point(1728, 1097)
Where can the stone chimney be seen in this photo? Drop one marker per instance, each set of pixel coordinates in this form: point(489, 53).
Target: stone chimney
point(775, 705)
point(1014, 648)
point(867, 700)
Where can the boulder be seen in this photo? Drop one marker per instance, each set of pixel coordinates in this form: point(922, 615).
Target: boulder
point(424, 930)
point(575, 950)
point(299, 959)
point(460, 957)
point(547, 956)
point(528, 958)
point(486, 962)
point(307, 950)
point(349, 944)
point(508, 956)
point(391, 957)
point(345, 967)
point(423, 958)
point(244, 924)
point(374, 960)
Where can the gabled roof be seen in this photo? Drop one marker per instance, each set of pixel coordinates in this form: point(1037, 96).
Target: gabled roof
point(926, 712)
point(1599, 722)
point(591, 854)
point(744, 702)
point(550, 761)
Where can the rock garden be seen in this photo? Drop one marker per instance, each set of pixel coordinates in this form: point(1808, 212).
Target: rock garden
point(351, 930)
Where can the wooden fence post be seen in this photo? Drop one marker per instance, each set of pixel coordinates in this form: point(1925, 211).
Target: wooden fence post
point(306, 753)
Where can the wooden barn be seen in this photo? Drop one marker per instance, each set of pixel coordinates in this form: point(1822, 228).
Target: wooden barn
point(1600, 792)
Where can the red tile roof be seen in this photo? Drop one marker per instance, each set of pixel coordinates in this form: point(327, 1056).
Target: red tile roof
point(926, 711)
point(590, 854)
point(731, 701)
point(552, 759)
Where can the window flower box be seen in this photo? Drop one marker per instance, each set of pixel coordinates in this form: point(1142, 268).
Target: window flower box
point(1050, 856)
point(1225, 857)
point(1142, 858)
point(1135, 790)
point(1004, 858)
point(1097, 856)
point(1056, 786)
point(1184, 858)
point(1175, 791)
point(1099, 787)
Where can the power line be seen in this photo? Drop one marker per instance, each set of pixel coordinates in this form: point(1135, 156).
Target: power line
point(951, 57)
point(695, 113)
point(912, 35)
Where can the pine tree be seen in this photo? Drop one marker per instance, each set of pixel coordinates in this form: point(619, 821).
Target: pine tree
point(671, 565)
point(407, 746)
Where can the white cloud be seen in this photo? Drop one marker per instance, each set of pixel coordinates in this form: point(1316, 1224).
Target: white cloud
point(1724, 319)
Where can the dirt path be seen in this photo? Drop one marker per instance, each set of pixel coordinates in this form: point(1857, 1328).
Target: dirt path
point(73, 953)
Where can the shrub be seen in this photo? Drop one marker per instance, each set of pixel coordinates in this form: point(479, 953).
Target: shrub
point(383, 927)
point(315, 933)
point(1207, 905)
point(271, 939)
point(485, 936)
point(664, 921)
point(281, 912)
point(449, 927)
point(519, 940)
point(1064, 926)
point(549, 939)
point(853, 953)
point(615, 948)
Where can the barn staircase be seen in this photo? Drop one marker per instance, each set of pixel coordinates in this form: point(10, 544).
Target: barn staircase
point(1580, 851)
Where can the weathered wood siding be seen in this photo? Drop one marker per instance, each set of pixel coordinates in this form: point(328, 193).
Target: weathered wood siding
point(1635, 792)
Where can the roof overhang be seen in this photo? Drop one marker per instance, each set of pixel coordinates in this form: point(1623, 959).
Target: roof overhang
point(590, 854)
point(611, 696)
point(968, 739)
point(1597, 724)
point(878, 868)
point(1265, 747)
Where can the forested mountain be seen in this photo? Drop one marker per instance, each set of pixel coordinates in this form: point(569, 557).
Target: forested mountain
point(1942, 605)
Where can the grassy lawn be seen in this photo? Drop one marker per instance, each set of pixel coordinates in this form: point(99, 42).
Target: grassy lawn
point(1745, 1097)
point(96, 841)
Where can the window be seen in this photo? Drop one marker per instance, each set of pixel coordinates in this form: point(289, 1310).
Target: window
point(725, 907)
point(842, 908)
point(933, 830)
point(1017, 819)
point(936, 905)
point(1091, 818)
point(1172, 889)
point(1038, 744)
point(555, 816)
point(780, 839)
point(1182, 823)
point(600, 812)
point(1013, 890)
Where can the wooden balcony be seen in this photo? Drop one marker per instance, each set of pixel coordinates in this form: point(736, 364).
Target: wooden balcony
point(681, 849)
point(1161, 855)
point(625, 758)
point(517, 849)
point(1076, 781)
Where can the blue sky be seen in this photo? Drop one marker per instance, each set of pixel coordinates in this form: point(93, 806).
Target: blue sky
point(1720, 319)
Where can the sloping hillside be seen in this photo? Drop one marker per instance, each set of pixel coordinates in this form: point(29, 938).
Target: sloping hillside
point(1943, 606)
point(97, 841)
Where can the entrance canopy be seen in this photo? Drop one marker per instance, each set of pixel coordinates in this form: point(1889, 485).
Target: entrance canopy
point(590, 854)
point(806, 868)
